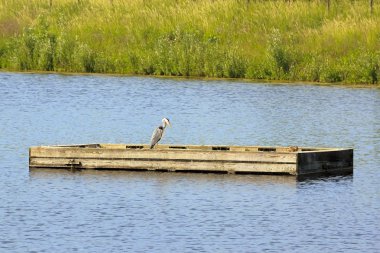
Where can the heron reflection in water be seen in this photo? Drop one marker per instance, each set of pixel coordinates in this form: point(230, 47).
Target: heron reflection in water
point(159, 132)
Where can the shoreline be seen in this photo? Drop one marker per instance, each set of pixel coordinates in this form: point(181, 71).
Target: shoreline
point(195, 78)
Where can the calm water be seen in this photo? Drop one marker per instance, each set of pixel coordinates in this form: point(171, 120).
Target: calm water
point(59, 211)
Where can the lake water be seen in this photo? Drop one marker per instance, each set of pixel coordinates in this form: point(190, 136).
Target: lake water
point(59, 211)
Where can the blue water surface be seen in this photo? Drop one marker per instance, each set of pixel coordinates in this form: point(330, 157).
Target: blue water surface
point(60, 211)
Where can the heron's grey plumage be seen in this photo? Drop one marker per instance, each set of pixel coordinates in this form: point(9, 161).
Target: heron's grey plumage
point(156, 136)
point(159, 132)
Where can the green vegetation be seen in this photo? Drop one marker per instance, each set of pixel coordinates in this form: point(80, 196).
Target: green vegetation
point(301, 40)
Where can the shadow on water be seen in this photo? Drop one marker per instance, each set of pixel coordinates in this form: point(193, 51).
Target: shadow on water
point(164, 176)
point(173, 178)
point(325, 178)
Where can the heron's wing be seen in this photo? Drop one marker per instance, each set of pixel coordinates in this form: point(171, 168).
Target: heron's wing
point(156, 137)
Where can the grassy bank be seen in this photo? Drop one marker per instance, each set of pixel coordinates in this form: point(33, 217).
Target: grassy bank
point(256, 39)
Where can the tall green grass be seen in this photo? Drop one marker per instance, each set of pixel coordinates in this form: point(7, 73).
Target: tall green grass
point(258, 39)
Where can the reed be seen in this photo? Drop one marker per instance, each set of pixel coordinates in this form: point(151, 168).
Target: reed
point(299, 40)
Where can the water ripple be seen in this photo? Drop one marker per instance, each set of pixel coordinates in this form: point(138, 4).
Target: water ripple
point(59, 211)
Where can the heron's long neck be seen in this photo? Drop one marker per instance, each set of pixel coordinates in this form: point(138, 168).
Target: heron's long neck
point(163, 125)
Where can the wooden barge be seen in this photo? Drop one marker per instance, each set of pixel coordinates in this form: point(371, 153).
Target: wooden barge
point(296, 161)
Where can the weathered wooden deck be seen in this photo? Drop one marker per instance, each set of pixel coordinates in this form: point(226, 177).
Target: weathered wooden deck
point(195, 158)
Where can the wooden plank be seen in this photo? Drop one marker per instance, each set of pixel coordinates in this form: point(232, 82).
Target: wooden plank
point(245, 148)
point(205, 158)
point(197, 147)
point(163, 154)
point(201, 166)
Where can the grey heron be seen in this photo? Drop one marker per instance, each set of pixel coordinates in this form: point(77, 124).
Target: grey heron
point(159, 132)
